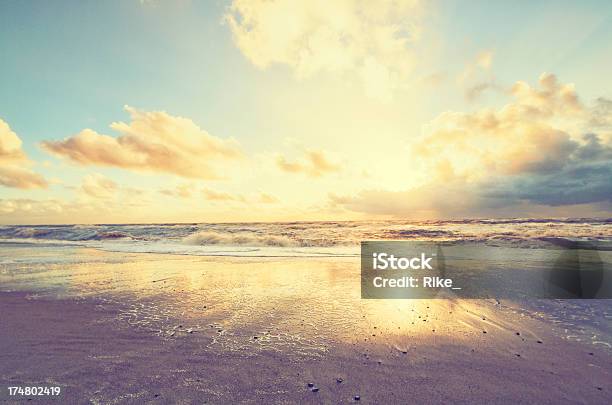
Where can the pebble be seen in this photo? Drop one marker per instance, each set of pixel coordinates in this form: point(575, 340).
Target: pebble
point(339, 380)
point(310, 385)
point(315, 389)
point(356, 397)
point(539, 341)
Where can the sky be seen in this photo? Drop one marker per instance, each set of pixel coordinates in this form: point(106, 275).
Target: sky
point(135, 111)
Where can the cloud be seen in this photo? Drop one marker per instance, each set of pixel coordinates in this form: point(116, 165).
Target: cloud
point(10, 144)
point(220, 196)
point(152, 141)
point(526, 153)
point(520, 137)
point(213, 195)
point(476, 67)
point(98, 186)
point(574, 184)
point(474, 92)
point(30, 207)
point(484, 60)
point(476, 76)
point(371, 40)
point(266, 198)
point(314, 164)
point(431, 200)
point(182, 191)
point(601, 114)
point(14, 164)
point(551, 98)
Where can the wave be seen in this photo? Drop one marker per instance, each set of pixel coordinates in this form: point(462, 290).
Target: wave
point(205, 238)
point(250, 239)
point(329, 235)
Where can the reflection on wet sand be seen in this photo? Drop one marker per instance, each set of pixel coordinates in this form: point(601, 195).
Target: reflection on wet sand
point(287, 313)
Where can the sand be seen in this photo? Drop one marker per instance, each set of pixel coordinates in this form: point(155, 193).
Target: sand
point(111, 328)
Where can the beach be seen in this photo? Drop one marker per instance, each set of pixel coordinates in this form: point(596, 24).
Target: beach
point(305, 202)
point(116, 327)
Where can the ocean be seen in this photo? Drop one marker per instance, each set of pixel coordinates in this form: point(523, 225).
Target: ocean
point(316, 239)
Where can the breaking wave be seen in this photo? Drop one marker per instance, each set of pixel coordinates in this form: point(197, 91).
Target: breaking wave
point(205, 238)
point(327, 237)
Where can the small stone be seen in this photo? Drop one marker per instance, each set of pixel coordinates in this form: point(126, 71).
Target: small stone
point(315, 389)
point(599, 388)
point(517, 355)
point(310, 385)
point(339, 380)
point(518, 333)
point(255, 337)
point(540, 342)
point(356, 397)
point(484, 331)
point(591, 354)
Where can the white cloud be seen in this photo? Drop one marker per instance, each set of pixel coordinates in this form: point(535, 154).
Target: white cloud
point(532, 151)
point(369, 39)
point(14, 164)
point(152, 141)
point(220, 196)
point(314, 164)
point(98, 186)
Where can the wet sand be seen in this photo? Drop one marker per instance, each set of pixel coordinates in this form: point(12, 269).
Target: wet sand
point(112, 328)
